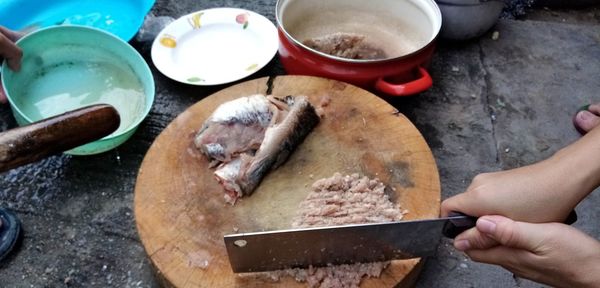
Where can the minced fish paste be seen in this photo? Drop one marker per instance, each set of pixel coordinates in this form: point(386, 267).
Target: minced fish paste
point(342, 200)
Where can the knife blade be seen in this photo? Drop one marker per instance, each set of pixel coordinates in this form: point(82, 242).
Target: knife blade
point(322, 246)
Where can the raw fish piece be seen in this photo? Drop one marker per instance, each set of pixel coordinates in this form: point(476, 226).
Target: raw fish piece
point(250, 136)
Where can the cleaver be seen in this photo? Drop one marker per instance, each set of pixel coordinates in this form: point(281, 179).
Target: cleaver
point(334, 245)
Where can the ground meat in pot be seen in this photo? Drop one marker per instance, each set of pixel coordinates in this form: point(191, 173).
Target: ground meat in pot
point(346, 45)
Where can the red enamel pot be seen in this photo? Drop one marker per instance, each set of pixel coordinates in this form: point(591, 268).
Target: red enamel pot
point(404, 29)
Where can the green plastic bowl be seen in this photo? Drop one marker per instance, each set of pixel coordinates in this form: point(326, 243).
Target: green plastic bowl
point(69, 67)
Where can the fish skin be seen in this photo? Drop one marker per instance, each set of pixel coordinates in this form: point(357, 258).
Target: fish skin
point(248, 137)
point(246, 116)
point(279, 143)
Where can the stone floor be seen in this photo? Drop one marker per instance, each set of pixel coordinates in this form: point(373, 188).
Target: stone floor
point(495, 104)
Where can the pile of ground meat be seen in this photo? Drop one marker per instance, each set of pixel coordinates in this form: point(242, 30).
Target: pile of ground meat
point(336, 201)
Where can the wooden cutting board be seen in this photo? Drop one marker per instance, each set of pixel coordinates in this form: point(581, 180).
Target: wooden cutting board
point(180, 213)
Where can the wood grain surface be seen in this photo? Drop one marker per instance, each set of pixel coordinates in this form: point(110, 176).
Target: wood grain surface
point(181, 215)
point(38, 140)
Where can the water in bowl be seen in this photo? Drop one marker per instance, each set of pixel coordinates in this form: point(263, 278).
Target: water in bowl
point(70, 85)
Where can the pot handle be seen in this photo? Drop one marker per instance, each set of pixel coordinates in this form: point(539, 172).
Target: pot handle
point(413, 87)
point(41, 139)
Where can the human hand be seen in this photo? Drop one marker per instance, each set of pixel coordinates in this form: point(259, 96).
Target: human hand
point(535, 193)
point(554, 254)
point(542, 192)
point(11, 52)
point(523, 194)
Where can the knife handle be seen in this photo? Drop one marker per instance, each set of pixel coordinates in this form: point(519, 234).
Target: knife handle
point(572, 218)
point(463, 222)
point(458, 223)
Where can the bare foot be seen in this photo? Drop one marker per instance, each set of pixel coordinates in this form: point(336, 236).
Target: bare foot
point(587, 119)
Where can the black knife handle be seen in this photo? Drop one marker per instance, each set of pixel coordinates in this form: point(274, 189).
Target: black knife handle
point(572, 218)
point(453, 227)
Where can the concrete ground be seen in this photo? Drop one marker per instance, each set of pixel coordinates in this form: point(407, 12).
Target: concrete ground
point(495, 104)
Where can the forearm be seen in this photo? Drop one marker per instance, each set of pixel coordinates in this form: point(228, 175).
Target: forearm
point(578, 167)
point(545, 191)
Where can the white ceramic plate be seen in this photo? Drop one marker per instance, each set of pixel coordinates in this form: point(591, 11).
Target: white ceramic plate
point(215, 46)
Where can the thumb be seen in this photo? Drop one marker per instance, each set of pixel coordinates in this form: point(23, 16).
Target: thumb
point(509, 233)
point(11, 52)
point(473, 239)
point(12, 35)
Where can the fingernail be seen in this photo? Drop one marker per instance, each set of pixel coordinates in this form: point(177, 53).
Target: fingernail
point(486, 226)
point(462, 245)
point(583, 115)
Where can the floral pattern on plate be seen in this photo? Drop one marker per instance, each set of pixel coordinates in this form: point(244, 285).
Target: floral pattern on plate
point(194, 20)
point(252, 67)
point(243, 19)
point(195, 79)
point(168, 41)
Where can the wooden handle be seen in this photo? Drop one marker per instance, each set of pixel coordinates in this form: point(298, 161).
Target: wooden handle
point(60, 133)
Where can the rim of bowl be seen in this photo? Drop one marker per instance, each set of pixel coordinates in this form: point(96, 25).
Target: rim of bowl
point(437, 28)
point(467, 2)
point(137, 56)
